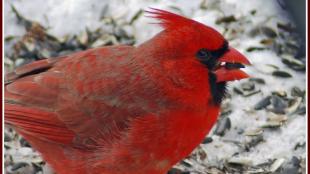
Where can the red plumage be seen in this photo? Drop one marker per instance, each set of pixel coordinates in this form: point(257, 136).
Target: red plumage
point(124, 109)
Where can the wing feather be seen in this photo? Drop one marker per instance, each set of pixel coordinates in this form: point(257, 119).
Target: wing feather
point(75, 99)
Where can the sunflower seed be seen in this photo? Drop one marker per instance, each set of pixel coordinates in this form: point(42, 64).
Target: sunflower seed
point(276, 164)
point(293, 63)
point(187, 163)
point(254, 132)
point(254, 32)
point(222, 126)
point(83, 38)
point(292, 167)
point(207, 140)
point(9, 38)
point(297, 92)
point(253, 141)
point(269, 32)
point(248, 94)
point(135, 17)
point(177, 171)
point(175, 8)
point(263, 103)
point(248, 86)
point(238, 91)
point(226, 19)
point(7, 137)
point(301, 110)
point(203, 5)
point(104, 40)
point(240, 161)
point(286, 27)
point(253, 12)
point(267, 41)
point(214, 170)
point(266, 68)
point(294, 105)
point(292, 44)
point(277, 118)
point(233, 65)
point(37, 168)
point(250, 49)
point(36, 159)
point(282, 74)
point(282, 94)
point(202, 155)
point(278, 104)
point(257, 80)
point(272, 124)
point(19, 165)
point(300, 145)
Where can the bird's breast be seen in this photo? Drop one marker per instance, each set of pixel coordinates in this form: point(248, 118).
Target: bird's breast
point(156, 142)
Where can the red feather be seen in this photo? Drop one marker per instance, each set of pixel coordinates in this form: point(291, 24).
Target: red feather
point(169, 20)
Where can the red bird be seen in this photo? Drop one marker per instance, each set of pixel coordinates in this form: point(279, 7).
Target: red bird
point(124, 109)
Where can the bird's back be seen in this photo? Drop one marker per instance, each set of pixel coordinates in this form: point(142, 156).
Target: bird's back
point(67, 107)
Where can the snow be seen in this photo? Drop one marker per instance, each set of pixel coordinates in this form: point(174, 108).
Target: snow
point(73, 16)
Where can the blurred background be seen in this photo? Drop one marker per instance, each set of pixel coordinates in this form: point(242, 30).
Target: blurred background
point(262, 127)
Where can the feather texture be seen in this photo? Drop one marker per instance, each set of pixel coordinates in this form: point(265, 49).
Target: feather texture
point(119, 109)
point(169, 20)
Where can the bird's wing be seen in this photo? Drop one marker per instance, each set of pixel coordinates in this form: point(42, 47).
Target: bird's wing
point(81, 99)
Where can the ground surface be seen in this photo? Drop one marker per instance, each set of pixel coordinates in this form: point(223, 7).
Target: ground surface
point(250, 137)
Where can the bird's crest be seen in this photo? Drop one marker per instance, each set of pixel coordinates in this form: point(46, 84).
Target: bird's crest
point(169, 20)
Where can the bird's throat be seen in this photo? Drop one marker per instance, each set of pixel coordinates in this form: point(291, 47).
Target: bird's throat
point(217, 90)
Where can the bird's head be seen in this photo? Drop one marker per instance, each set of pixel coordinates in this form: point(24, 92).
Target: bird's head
point(186, 38)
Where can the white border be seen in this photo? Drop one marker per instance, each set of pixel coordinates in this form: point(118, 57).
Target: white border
point(2, 87)
point(307, 92)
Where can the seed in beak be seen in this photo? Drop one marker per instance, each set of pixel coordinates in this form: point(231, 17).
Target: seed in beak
point(233, 65)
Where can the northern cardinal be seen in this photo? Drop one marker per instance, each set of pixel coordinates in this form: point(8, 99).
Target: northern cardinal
point(125, 109)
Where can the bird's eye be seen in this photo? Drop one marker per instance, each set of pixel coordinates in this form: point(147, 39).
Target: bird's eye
point(203, 54)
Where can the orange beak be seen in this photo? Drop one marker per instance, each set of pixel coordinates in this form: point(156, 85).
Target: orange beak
point(232, 57)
